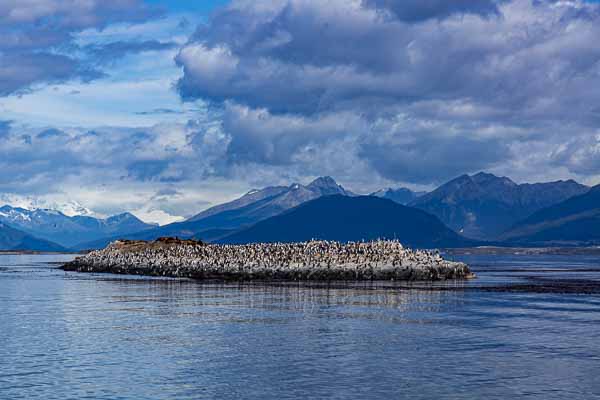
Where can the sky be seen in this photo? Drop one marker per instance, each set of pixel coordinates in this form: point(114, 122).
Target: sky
point(164, 108)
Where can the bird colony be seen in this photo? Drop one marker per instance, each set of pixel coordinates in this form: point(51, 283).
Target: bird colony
point(383, 260)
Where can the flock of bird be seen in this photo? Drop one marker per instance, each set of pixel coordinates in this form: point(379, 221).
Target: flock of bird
point(315, 260)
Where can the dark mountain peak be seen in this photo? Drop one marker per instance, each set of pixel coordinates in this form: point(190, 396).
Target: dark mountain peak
point(486, 179)
point(484, 205)
point(325, 186)
point(323, 181)
point(484, 175)
point(461, 179)
point(125, 215)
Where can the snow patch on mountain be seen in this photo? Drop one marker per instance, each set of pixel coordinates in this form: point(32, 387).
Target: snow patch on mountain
point(69, 208)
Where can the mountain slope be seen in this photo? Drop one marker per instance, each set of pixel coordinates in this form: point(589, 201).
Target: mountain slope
point(483, 206)
point(68, 231)
point(344, 218)
point(258, 205)
point(574, 221)
point(401, 196)
point(13, 239)
point(224, 219)
point(252, 196)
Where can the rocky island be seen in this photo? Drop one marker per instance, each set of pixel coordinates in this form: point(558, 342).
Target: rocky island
point(383, 260)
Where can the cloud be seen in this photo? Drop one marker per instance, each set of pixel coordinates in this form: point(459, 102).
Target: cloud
point(421, 10)
point(35, 37)
point(4, 128)
point(580, 154)
point(308, 56)
point(373, 92)
point(73, 14)
point(159, 111)
point(18, 72)
point(416, 91)
point(150, 169)
point(113, 51)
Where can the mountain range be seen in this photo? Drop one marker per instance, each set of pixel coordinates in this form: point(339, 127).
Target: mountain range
point(222, 220)
point(483, 206)
point(575, 221)
point(66, 231)
point(261, 204)
point(13, 239)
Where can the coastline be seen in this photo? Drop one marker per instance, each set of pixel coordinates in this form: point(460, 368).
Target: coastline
point(309, 261)
point(498, 250)
point(35, 253)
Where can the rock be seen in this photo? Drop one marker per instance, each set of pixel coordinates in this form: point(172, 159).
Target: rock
point(308, 261)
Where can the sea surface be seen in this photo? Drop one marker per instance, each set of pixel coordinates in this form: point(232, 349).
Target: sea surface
point(527, 327)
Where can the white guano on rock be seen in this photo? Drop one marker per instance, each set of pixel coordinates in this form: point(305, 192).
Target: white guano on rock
point(383, 260)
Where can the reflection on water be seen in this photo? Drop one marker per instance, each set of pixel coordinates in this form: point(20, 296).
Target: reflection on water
point(68, 335)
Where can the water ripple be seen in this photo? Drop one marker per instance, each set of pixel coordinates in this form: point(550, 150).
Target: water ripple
point(510, 333)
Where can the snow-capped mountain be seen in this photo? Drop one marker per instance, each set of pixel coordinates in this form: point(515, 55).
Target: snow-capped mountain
point(69, 208)
point(257, 205)
point(67, 230)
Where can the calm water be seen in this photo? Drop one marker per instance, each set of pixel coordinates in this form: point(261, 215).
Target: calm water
point(529, 326)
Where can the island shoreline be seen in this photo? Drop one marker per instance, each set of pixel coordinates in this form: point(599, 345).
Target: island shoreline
point(317, 261)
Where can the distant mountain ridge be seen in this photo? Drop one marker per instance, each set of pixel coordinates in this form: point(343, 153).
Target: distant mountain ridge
point(482, 206)
point(223, 219)
point(402, 196)
point(261, 204)
point(12, 239)
point(70, 208)
point(575, 221)
point(345, 218)
point(67, 231)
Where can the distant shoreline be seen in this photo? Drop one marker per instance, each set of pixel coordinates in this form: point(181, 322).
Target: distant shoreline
point(496, 250)
point(35, 253)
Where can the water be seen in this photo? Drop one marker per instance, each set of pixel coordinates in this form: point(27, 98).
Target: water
point(527, 327)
